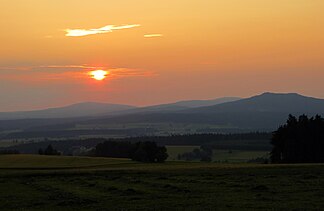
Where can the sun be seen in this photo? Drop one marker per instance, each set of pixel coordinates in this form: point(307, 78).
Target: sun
point(98, 75)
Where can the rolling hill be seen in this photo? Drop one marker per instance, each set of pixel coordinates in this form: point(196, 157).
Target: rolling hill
point(262, 112)
point(87, 109)
point(177, 106)
point(203, 103)
point(76, 110)
point(269, 102)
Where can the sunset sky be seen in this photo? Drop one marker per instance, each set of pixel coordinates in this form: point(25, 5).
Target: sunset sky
point(157, 51)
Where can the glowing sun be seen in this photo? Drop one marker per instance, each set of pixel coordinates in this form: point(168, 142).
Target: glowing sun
point(98, 74)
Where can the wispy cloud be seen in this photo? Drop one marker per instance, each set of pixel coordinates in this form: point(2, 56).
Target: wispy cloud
point(153, 35)
point(45, 73)
point(102, 30)
point(127, 72)
point(69, 66)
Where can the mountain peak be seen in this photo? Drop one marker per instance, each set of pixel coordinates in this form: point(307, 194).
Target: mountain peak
point(272, 102)
point(280, 94)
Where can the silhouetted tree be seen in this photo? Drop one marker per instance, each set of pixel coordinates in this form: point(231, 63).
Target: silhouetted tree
point(161, 155)
point(48, 151)
point(140, 155)
point(149, 152)
point(140, 151)
point(203, 154)
point(299, 141)
point(40, 151)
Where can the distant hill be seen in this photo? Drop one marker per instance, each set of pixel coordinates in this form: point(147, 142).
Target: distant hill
point(88, 109)
point(262, 112)
point(269, 102)
point(179, 106)
point(75, 110)
point(202, 103)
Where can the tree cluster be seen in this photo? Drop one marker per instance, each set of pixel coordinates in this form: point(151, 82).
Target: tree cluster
point(249, 141)
point(300, 140)
point(48, 151)
point(199, 139)
point(204, 154)
point(148, 152)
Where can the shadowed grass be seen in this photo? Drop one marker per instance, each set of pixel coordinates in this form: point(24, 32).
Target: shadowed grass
point(126, 185)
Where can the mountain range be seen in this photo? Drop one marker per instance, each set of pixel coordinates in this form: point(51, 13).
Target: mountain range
point(87, 109)
point(76, 110)
point(264, 112)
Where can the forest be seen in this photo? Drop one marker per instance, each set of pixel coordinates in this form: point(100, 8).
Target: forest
point(300, 140)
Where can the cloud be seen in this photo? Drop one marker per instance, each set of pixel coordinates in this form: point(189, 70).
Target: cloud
point(153, 35)
point(69, 66)
point(127, 72)
point(102, 30)
point(46, 73)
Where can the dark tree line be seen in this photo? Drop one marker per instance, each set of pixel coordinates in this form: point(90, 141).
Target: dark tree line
point(200, 139)
point(148, 152)
point(249, 141)
point(48, 151)
point(300, 140)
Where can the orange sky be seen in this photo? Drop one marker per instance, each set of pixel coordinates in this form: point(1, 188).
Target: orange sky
point(158, 51)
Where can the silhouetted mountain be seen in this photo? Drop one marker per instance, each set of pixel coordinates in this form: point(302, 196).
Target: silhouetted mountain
point(269, 102)
point(263, 112)
point(75, 110)
point(88, 109)
point(202, 103)
point(153, 109)
point(177, 106)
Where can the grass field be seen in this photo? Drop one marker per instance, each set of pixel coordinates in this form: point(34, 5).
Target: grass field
point(237, 156)
point(70, 183)
point(223, 156)
point(56, 162)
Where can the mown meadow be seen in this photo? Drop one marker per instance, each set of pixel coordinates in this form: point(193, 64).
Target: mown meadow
point(33, 182)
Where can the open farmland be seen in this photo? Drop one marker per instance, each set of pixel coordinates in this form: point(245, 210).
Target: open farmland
point(66, 183)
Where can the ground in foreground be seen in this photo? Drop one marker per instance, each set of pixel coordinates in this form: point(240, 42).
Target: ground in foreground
point(70, 183)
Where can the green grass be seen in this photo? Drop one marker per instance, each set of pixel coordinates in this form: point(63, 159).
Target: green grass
point(126, 185)
point(230, 156)
point(55, 162)
point(237, 156)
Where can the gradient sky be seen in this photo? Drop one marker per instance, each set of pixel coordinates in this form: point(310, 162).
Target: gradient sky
point(157, 51)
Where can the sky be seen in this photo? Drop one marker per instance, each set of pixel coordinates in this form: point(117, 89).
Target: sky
point(157, 51)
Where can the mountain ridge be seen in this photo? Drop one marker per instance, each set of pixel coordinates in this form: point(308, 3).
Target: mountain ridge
point(85, 109)
point(74, 110)
point(270, 102)
point(263, 112)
